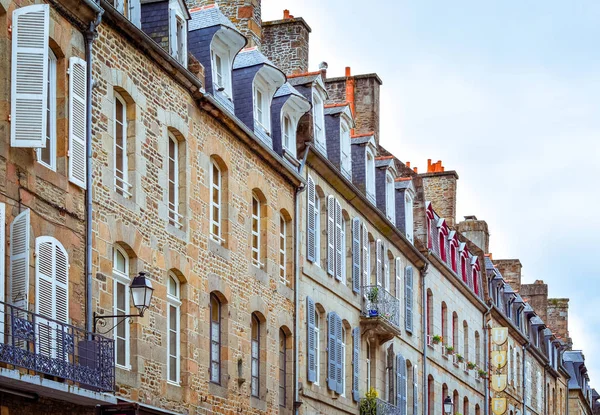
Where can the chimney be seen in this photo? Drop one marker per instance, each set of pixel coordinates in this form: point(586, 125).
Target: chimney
point(511, 271)
point(476, 231)
point(245, 15)
point(558, 319)
point(536, 295)
point(350, 92)
point(440, 189)
point(285, 43)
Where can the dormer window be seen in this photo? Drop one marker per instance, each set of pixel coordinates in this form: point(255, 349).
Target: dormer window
point(370, 175)
point(130, 9)
point(408, 216)
point(345, 152)
point(289, 136)
point(390, 210)
point(177, 33)
point(221, 67)
point(261, 104)
point(319, 122)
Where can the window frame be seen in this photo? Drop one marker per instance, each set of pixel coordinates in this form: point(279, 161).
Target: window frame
point(390, 205)
point(123, 278)
point(255, 358)
point(215, 343)
point(260, 85)
point(175, 216)
point(343, 349)
point(289, 133)
point(219, 49)
point(317, 229)
point(283, 247)
point(174, 304)
point(370, 174)
point(218, 238)
point(282, 368)
point(319, 120)
point(256, 219)
point(124, 189)
point(408, 217)
point(345, 148)
point(51, 103)
point(317, 329)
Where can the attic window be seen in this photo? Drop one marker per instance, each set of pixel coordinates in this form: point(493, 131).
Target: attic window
point(130, 9)
point(390, 210)
point(408, 215)
point(261, 104)
point(177, 33)
point(319, 122)
point(345, 149)
point(370, 175)
point(221, 67)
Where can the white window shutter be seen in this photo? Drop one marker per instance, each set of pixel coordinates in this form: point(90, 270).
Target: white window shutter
point(401, 387)
point(135, 12)
point(19, 259)
point(173, 33)
point(355, 363)
point(339, 358)
point(339, 255)
point(331, 351)
point(61, 281)
point(77, 121)
point(408, 299)
point(29, 76)
point(311, 346)
point(2, 259)
point(366, 256)
point(356, 252)
point(310, 220)
point(330, 235)
point(378, 261)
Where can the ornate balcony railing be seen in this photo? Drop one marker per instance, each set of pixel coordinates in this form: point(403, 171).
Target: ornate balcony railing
point(45, 346)
point(378, 407)
point(380, 303)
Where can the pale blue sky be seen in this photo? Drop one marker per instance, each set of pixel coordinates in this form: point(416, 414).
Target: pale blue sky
point(505, 93)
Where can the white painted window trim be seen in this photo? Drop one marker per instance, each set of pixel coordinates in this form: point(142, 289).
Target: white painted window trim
point(319, 121)
point(370, 173)
point(177, 33)
point(345, 149)
point(175, 216)
point(317, 230)
point(368, 364)
point(256, 219)
point(288, 134)
point(343, 344)
point(343, 270)
point(220, 49)
point(122, 277)
point(408, 215)
point(51, 113)
point(283, 275)
point(218, 238)
point(124, 185)
point(317, 329)
point(390, 205)
point(174, 301)
point(260, 85)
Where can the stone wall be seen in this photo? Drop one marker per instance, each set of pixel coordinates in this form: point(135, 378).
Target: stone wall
point(511, 271)
point(440, 190)
point(558, 319)
point(536, 295)
point(476, 231)
point(285, 43)
point(159, 107)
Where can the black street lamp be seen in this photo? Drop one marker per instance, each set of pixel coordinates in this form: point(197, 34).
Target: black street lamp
point(141, 296)
point(448, 405)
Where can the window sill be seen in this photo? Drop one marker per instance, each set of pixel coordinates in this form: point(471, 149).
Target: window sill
point(177, 232)
point(258, 403)
point(258, 273)
point(218, 249)
point(217, 390)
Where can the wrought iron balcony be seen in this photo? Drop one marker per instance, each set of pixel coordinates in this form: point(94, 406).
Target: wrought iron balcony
point(45, 346)
point(377, 407)
point(381, 312)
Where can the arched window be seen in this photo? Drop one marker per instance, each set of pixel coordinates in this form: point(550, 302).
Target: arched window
point(431, 397)
point(477, 349)
point(442, 234)
point(121, 305)
point(444, 395)
point(47, 155)
point(430, 233)
point(282, 368)
point(121, 168)
point(255, 369)
point(215, 339)
point(466, 340)
point(216, 203)
point(319, 122)
point(173, 319)
point(445, 334)
point(455, 331)
point(454, 255)
point(429, 314)
point(476, 276)
point(465, 406)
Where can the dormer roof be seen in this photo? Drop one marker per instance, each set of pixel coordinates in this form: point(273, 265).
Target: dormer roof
point(288, 89)
point(360, 139)
point(385, 162)
point(251, 57)
point(209, 16)
point(404, 183)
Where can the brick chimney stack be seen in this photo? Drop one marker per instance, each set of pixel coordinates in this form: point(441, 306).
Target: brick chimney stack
point(440, 190)
point(285, 43)
point(536, 295)
point(511, 271)
point(558, 319)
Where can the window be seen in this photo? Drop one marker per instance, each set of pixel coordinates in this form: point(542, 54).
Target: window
point(477, 349)
point(282, 367)
point(345, 150)
point(390, 200)
point(215, 203)
point(317, 330)
point(343, 361)
point(130, 9)
point(215, 339)
point(317, 220)
point(122, 187)
point(368, 365)
point(408, 216)
point(121, 305)
point(343, 248)
point(335, 353)
point(335, 239)
point(429, 314)
point(283, 277)
point(455, 331)
point(311, 221)
point(453, 255)
point(174, 183)
point(221, 67)
point(255, 330)
point(174, 302)
point(319, 122)
point(386, 277)
point(289, 135)
point(442, 243)
point(177, 33)
point(262, 113)
point(370, 175)
point(47, 155)
point(445, 323)
point(408, 299)
point(256, 230)
point(466, 341)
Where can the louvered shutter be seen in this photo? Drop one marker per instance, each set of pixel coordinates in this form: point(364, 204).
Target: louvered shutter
point(401, 390)
point(415, 389)
point(135, 12)
point(2, 259)
point(310, 220)
point(77, 121)
point(29, 76)
point(339, 357)
point(366, 256)
point(355, 363)
point(173, 33)
point(331, 352)
point(19, 260)
point(330, 235)
point(311, 340)
point(378, 259)
point(339, 255)
point(356, 251)
point(408, 298)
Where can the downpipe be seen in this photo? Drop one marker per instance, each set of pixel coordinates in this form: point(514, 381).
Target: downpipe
point(486, 357)
point(424, 337)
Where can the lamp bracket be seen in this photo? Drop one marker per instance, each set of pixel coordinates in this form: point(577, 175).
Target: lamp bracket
point(101, 318)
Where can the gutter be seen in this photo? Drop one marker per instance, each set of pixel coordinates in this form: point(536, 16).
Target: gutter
point(424, 337)
point(299, 190)
point(90, 36)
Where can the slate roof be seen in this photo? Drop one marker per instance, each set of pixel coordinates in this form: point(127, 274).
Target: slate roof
point(204, 17)
point(362, 139)
point(287, 89)
point(251, 57)
point(488, 263)
point(338, 109)
point(303, 80)
point(384, 163)
point(537, 321)
point(403, 184)
point(508, 289)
